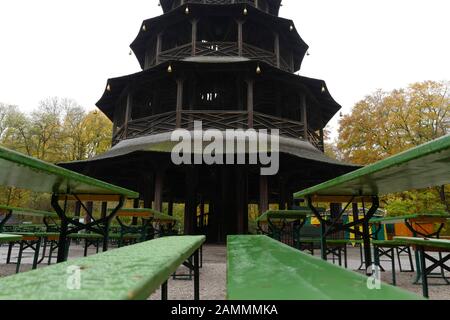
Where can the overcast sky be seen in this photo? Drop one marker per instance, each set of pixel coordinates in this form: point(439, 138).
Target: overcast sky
point(69, 48)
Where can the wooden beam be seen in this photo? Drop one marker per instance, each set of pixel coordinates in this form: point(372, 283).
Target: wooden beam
point(159, 184)
point(128, 111)
point(158, 47)
point(250, 110)
point(263, 194)
point(277, 49)
point(194, 36)
point(304, 117)
point(180, 86)
point(240, 38)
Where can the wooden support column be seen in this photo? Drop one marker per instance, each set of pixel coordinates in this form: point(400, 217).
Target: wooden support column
point(134, 221)
point(282, 194)
point(159, 184)
point(277, 49)
point(194, 23)
point(104, 209)
point(240, 38)
point(304, 117)
point(242, 201)
point(250, 102)
point(77, 209)
point(90, 208)
point(180, 86)
point(158, 47)
point(149, 190)
point(263, 194)
point(128, 110)
point(190, 207)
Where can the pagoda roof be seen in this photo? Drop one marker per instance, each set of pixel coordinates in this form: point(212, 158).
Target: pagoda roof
point(156, 25)
point(315, 89)
point(167, 4)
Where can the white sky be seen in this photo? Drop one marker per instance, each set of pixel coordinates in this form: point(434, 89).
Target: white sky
point(69, 48)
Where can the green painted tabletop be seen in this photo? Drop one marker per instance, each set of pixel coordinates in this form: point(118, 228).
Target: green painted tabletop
point(128, 273)
point(9, 238)
point(401, 219)
point(418, 168)
point(28, 212)
point(260, 268)
point(21, 171)
point(283, 214)
point(426, 242)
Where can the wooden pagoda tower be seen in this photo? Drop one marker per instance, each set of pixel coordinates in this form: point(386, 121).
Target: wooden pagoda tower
point(230, 64)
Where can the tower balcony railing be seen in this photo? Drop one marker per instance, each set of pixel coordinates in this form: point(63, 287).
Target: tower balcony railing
point(223, 49)
point(220, 120)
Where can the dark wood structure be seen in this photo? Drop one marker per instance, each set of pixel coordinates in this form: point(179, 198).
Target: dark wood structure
point(230, 64)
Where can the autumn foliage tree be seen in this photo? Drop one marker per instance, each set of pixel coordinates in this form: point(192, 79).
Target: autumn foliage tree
point(386, 123)
point(58, 130)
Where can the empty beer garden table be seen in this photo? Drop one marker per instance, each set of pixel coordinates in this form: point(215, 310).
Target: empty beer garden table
point(283, 225)
point(148, 217)
point(21, 171)
point(421, 167)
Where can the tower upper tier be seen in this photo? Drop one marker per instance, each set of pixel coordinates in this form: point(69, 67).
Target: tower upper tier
point(228, 30)
point(268, 6)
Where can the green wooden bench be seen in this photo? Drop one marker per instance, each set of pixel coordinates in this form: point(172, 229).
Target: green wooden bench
point(425, 245)
point(421, 167)
point(260, 268)
point(21, 171)
point(128, 273)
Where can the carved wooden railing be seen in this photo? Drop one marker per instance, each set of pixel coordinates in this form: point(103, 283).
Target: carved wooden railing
point(288, 128)
point(250, 2)
point(222, 49)
point(220, 120)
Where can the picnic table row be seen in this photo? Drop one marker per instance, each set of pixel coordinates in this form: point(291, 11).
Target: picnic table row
point(136, 271)
point(132, 272)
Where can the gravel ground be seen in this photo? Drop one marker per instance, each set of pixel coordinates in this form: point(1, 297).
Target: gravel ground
point(213, 275)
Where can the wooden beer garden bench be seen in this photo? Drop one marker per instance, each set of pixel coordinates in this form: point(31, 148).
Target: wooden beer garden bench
point(421, 167)
point(128, 273)
point(261, 268)
point(423, 246)
point(32, 240)
point(21, 171)
point(414, 223)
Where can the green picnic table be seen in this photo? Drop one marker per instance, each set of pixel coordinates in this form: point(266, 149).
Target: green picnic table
point(21, 171)
point(421, 167)
point(11, 211)
point(261, 268)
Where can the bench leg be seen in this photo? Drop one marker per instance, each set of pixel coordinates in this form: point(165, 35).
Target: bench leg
point(164, 291)
point(19, 258)
point(86, 245)
point(423, 272)
point(36, 253)
point(394, 280)
point(8, 258)
point(196, 276)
